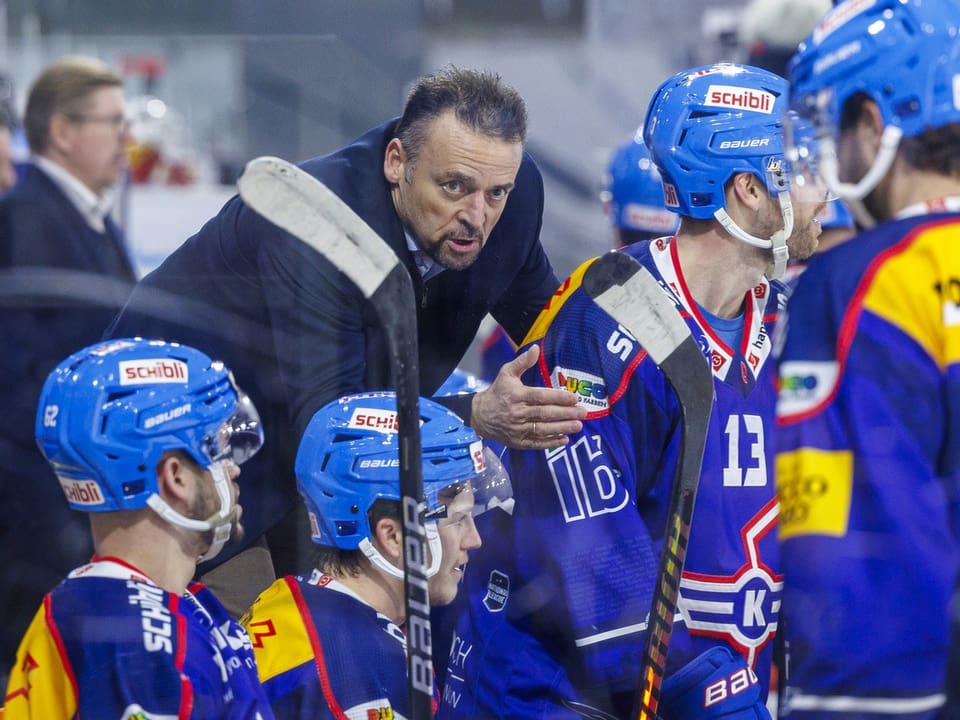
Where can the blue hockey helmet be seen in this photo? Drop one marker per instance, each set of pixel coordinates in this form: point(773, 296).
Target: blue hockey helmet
point(634, 191)
point(108, 413)
point(902, 54)
point(705, 125)
point(349, 458)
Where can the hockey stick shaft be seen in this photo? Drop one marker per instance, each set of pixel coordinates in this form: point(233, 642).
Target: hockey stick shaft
point(632, 297)
point(304, 207)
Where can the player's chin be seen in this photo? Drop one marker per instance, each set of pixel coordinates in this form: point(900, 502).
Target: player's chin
point(443, 593)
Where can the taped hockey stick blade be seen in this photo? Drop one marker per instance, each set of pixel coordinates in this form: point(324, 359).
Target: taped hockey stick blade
point(296, 201)
point(630, 295)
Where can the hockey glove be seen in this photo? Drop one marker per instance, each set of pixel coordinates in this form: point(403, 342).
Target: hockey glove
point(717, 684)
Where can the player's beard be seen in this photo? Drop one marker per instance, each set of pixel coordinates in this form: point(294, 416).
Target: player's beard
point(803, 240)
point(207, 504)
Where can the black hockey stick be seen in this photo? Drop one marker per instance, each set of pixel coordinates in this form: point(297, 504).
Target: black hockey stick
point(632, 297)
point(303, 206)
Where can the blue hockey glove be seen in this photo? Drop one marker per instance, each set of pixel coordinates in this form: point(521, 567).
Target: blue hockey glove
point(717, 684)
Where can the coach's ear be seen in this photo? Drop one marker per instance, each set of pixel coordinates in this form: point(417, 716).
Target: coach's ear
point(394, 162)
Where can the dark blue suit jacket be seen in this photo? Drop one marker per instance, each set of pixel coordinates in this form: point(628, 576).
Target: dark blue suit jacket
point(61, 283)
point(298, 334)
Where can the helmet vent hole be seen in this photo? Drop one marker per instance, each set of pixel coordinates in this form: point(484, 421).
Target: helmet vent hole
point(323, 463)
point(701, 199)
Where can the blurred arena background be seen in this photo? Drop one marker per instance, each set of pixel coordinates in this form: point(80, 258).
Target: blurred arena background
point(212, 84)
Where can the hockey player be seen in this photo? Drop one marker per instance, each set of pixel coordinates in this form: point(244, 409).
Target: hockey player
point(868, 453)
point(559, 596)
point(633, 195)
point(145, 437)
point(331, 645)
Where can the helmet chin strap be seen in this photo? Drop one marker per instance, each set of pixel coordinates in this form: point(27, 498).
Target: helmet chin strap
point(777, 243)
point(220, 522)
point(379, 561)
point(889, 142)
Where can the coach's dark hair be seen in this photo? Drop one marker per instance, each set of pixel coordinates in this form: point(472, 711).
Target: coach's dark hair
point(339, 563)
point(478, 99)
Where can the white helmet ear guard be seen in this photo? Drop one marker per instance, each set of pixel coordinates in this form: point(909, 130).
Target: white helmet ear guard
point(776, 243)
point(220, 523)
point(380, 562)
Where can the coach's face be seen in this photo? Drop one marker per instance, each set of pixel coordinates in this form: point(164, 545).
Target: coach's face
point(452, 194)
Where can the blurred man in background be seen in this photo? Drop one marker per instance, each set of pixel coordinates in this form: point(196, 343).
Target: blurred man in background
point(65, 274)
point(8, 174)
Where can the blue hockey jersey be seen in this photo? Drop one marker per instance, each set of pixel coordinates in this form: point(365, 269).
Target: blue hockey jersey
point(108, 643)
point(868, 464)
point(322, 652)
point(559, 593)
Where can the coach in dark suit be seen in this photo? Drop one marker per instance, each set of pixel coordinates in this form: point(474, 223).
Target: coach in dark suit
point(449, 188)
point(65, 274)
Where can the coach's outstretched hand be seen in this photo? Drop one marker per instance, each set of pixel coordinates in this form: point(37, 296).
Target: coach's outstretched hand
point(522, 417)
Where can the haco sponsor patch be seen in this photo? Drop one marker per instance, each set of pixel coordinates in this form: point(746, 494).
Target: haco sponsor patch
point(740, 98)
point(589, 389)
point(150, 371)
point(384, 421)
point(815, 488)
